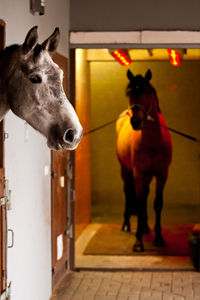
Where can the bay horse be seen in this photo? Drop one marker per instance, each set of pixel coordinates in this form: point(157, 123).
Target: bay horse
point(144, 150)
point(31, 86)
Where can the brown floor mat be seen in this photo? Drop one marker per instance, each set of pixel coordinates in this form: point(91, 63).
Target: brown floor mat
point(110, 240)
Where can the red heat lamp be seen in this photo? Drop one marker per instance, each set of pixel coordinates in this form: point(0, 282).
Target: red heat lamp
point(122, 56)
point(174, 57)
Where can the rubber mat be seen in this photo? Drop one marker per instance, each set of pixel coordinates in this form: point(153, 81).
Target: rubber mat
point(111, 240)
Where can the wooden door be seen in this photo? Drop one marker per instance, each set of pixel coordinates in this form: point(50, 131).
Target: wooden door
point(59, 215)
point(3, 209)
point(59, 183)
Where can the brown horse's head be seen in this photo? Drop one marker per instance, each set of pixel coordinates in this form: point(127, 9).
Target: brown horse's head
point(34, 91)
point(142, 99)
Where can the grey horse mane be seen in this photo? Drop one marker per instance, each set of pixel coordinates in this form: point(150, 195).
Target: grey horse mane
point(6, 54)
point(9, 50)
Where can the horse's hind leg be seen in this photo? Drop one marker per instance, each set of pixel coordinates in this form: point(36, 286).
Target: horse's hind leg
point(147, 229)
point(158, 205)
point(130, 197)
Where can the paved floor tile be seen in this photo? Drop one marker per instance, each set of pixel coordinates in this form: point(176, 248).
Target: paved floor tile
point(129, 286)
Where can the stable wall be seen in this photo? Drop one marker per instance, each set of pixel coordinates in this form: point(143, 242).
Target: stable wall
point(178, 92)
point(112, 15)
point(26, 154)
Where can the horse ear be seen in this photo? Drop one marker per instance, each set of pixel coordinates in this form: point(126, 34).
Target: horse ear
point(148, 75)
point(52, 42)
point(30, 40)
point(130, 75)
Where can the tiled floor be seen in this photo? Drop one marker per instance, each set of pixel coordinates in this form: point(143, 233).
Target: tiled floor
point(129, 277)
point(129, 286)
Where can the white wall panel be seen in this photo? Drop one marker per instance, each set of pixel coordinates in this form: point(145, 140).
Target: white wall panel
point(29, 262)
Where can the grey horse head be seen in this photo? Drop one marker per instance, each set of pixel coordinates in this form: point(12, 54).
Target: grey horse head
point(31, 86)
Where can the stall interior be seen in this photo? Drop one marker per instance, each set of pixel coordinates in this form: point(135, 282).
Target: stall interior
point(100, 87)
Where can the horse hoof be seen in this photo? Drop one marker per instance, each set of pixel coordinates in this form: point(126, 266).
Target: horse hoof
point(159, 242)
point(147, 229)
point(126, 228)
point(138, 247)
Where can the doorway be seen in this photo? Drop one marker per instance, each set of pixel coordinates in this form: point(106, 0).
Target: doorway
point(101, 88)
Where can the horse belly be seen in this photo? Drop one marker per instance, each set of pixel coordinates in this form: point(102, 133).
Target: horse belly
point(155, 152)
point(151, 161)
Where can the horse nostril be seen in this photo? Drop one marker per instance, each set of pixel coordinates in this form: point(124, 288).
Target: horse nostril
point(69, 136)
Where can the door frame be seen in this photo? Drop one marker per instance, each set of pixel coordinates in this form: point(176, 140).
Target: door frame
point(115, 40)
point(61, 266)
point(3, 205)
point(71, 165)
point(135, 39)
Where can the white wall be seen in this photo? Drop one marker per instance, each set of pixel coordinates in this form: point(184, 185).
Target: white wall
point(29, 262)
point(19, 20)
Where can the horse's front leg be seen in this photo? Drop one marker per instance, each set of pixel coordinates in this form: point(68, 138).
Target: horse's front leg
point(138, 246)
point(141, 215)
point(126, 226)
point(130, 198)
point(158, 205)
point(142, 191)
point(142, 226)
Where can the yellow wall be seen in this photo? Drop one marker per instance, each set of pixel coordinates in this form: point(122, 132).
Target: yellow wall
point(82, 154)
point(178, 90)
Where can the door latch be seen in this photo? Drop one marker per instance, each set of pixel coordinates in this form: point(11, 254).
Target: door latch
point(7, 293)
point(12, 241)
point(6, 199)
point(69, 232)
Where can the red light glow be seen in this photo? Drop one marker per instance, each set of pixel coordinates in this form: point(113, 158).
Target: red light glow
point(174, 57)
point(122, 57)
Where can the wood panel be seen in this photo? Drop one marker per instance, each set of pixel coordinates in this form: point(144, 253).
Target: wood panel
point(82, 154)
point(59, 199)
point(3, 210)
point(59, 214)
point(3, 235)
point(63, 64)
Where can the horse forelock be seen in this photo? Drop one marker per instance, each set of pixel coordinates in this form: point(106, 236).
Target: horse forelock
point(137, 86)
point(37, 50)
point(41, 61)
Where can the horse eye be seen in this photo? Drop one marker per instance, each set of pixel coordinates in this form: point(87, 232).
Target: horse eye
point(35, 79)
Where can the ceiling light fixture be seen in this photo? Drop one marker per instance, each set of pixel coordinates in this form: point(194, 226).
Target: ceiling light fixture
point(174, 57)
point(122, 56)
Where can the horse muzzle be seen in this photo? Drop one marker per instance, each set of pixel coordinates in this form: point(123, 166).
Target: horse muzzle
point(137, 124)
point(68, 140)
